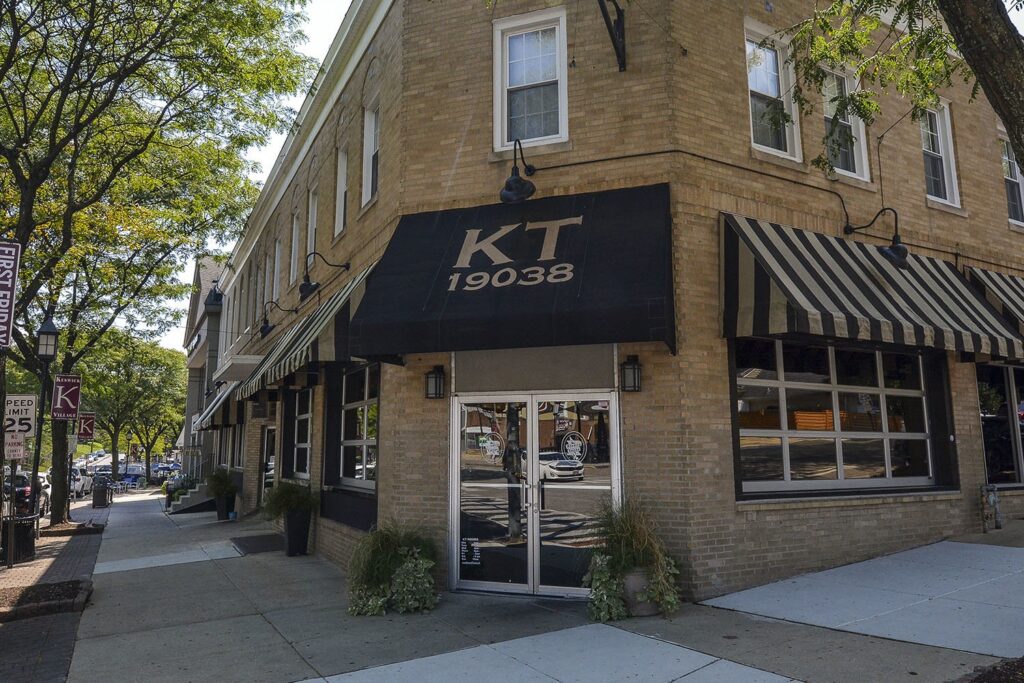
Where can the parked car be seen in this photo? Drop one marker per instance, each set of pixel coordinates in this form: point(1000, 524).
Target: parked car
point(81, 482)
point(104, 469)
point(22, 492)
point(554, 465)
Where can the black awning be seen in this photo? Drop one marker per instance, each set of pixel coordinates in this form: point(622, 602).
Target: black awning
point(583, 269)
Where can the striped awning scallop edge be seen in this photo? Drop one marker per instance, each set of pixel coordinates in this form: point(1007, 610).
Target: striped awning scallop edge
point(777, 279)
point(1004, 292)
point(206, 419)
point(310, 340)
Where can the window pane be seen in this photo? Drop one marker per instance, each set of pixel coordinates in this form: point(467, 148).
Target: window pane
point(755, 359)
point(996, 424)
point(901, 371)
point(856, 368)
point(805, 364)
point(809, 410)
point(1014, 206)
point(303, 403)
point(352, 461)
point(373, 381)
point(355, 387)
point(370, 464)
point(301, 459)
point(812, 459)
point(353, 424)
point(302, 431)
point(758, 407)
point(860, 412)
point(906, 414)
point(760, 459)
point(767, 115)
point(909, 458)
point(930, 133)
point(840, 145)
point(935, 175)
point(533, 112)
point(833, 87)
point(763, 69)
point(863, 458)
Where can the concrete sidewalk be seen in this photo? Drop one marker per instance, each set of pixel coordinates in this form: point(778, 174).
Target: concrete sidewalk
point(174, 601)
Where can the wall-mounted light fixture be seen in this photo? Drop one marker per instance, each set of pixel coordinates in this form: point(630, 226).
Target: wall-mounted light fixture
point(266, 328)
point(518, 189)
point(435, 382)
point(629, 374)
point(307, 287)
point(895, 252)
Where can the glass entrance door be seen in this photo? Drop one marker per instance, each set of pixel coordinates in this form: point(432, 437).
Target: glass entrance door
point(533, 473)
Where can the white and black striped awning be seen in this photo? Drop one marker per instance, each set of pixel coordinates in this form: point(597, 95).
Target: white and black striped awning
point(208, 419)
point(780, 280)
point(1004, 292)
point(314, 339)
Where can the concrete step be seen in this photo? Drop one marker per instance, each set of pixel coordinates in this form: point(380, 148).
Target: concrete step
point(197, 495)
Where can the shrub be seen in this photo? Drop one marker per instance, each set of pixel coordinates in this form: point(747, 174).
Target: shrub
point(220, 485)
point(285, 496)
point(392, 567)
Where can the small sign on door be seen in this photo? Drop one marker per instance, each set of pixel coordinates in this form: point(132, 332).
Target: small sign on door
point(469, 551)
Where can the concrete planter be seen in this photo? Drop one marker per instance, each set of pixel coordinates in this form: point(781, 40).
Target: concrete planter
point(634, 582)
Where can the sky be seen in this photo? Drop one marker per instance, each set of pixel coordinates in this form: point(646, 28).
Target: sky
point(324, 19)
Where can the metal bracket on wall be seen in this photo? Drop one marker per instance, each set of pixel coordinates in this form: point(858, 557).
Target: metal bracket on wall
point(616, 30)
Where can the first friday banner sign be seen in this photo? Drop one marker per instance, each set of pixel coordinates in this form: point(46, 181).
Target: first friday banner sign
point(10, 257)
point(67, 395)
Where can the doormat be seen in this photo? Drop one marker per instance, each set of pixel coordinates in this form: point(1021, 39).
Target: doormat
point(263, 543)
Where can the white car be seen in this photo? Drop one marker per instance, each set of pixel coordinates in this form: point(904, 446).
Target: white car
point(554, 465)
point(81, 482)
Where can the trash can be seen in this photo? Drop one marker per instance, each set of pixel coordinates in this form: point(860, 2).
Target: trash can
point(24, 538)
point(100, 495)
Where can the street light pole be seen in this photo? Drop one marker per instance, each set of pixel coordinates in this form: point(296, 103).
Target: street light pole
point(46, 351)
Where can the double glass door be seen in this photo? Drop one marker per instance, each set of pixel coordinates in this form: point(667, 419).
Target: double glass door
point(533, 473)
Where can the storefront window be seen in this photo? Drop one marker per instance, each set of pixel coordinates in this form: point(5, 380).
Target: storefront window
point(1001, 403)
point(812, 417)
point(303, 422)
point(359, 413)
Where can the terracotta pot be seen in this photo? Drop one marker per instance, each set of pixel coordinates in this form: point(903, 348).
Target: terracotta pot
point(635, 582)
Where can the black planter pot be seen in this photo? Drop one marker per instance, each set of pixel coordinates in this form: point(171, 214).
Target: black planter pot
point(222, 507)
point(296, 532)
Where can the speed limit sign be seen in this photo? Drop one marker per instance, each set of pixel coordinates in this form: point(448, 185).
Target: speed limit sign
point(20, 416)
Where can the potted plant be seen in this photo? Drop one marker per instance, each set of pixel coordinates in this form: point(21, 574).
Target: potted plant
point(295, 504)
point(392, 568)
point(222, 489)
point(631, 574)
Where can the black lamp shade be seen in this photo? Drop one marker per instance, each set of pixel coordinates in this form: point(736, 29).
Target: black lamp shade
point(307, 287)
point(517, 189)
point(896, 252)
point(46, 341)
point(266, 328)
point(630, 374)
point(435, 382)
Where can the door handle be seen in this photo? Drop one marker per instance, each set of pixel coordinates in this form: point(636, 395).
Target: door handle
point(524, 493)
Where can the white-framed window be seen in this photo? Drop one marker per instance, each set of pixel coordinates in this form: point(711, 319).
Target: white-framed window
point(371, 150)
point(268, 281)
point(311, 217)
point(822, 417)
point(276, 288)
point(293, 266)
point(1013, 181)
point(937, 145)
point(303, 433)
point(359, 415)
point(238, 447)
point(341, 194)
point(774, 121)
point(531, 91)
point(847, 141)
point(224, 445)
point(243, 305)
point(1000, 402)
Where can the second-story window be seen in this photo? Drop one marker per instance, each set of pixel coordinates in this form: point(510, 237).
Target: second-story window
point(937, 144)
point(773, 122)
point(530, 79)
point(311, 200)
point(293, 267)
point(847, 151)
point(341, 193)
point(371, 151)
point(1012, 179)
point(276, 286)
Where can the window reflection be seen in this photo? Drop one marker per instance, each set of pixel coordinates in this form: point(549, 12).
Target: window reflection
point(813, 458)
point(860, 412)
point(761, 458)
point(809, 410)
point(805, 364)
point(863, 458)
point(994, 401)
point(758, 407)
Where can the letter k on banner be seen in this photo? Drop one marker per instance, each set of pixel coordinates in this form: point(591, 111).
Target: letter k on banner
point(67, 394)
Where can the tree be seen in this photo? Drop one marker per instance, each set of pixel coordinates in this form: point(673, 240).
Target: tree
point(123, 377)
point(160, 416)
point(917, 48)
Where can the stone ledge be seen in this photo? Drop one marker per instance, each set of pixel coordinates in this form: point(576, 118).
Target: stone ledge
point(38, 609)
point(845, 502)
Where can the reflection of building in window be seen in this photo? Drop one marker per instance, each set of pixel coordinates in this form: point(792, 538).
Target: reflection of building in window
point(999, 388)
point(359, 417)
point(816, 416)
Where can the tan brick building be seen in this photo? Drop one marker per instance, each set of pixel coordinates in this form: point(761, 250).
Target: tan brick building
point(804, 399)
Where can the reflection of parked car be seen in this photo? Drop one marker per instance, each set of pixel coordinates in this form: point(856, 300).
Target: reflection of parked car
point(554, 465)
point(268, 473)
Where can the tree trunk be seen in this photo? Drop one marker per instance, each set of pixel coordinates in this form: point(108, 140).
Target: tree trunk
point(992, 47)
point(149, 455)
point(59, 476)
point(115, 461)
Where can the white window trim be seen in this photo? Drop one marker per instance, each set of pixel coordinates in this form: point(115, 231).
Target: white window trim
point(309, 434)
point(371, 120)
point(1003, 137)
point(293, 266)
point(268, 282)
point(945, 122)
point(757, 32)
point(365, 484)
point(859, 130)
point(341, 193)
point(312, 215)
point(554, 17)
point(276, 285)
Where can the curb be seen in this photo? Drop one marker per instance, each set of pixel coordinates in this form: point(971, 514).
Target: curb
point(38, 609)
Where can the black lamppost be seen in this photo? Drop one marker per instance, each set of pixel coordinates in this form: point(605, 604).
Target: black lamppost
point(46, 351)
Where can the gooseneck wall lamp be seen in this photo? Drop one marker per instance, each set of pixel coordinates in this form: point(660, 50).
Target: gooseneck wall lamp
point(895, 252)
point(266, 328)
point(517, 189)
point(307, 287)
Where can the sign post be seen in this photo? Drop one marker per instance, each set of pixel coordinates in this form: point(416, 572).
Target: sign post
point(67, 397)
point(10, 260)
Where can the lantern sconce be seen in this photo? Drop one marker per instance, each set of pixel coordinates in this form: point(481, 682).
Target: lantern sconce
point(435, 382)
point(630, 374)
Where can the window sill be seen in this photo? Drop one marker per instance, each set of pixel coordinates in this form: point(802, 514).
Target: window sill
point(536, 150)
point(371, 202)
point(1016, 226)
point(779, 158)
point(1010, 489)
point(859, 499)
point(297, 479)
point(854, 181)
point(338, 237)
point(344, 488)
point(947, 207)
